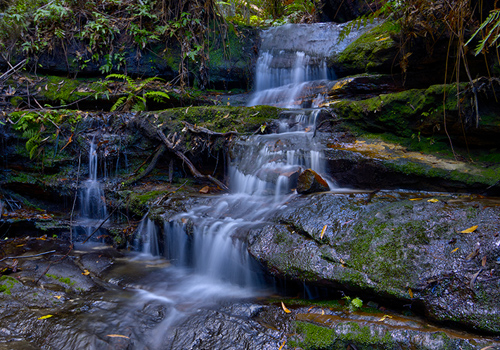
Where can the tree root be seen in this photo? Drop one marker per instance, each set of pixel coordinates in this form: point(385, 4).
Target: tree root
point(150, 167)
point(185, 159)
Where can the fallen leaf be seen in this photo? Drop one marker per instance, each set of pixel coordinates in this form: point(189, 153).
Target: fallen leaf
point(58, 297)
point(284, 308)
point(433, 200)
point(44, 317)
point(322, 311)
point(415, 199)
point(205, 190)
point(470, 229)
point(322, 232)
point(383, 318)
point(483, 262)
point(85, 272)
point(454, 250)
point(184, 220)
point(382, 39)
point(282, 345)
point(473, 254)
point(474, 278)
point(117, 336)
point(410, 292)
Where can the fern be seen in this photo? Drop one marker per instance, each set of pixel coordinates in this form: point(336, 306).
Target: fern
point(157, 96)
point(492, 25)
point(118, 103)
point(128, 79)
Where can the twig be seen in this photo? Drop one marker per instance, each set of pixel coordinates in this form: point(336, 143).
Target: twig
point(27, 256)
point(13, 70)
point(53, 262)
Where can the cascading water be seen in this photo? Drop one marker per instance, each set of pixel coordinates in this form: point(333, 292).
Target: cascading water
point(92, 203)
point(206, 245)
point(291, 70)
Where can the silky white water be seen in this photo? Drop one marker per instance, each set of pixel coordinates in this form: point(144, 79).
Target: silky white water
point(91, 194)
point(291, 70)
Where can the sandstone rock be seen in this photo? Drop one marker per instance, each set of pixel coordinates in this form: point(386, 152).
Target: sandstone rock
point(310, 181)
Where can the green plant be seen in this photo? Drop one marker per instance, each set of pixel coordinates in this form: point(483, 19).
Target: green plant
point(353, 304)
point(136, 97)
point(489, 31)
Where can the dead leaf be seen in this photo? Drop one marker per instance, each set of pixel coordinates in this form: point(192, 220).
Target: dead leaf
point(58, 297)
point(45, 317)
point(473, 254)
point(383, 318)
point(282, 345)
point(322, 311)
point(285, 308)
point(454, 250)
point(117, 336)
point(483, 261)
point(322, 232)
point(85, 272)
point(433, 200)
point(415, 199)
point(205, 190)
point(474, 278)
point(410, 292)
point(184, 220)
point(470, 229)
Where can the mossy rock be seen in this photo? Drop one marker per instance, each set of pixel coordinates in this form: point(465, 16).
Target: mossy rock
point(220, 118)
point(372, 52)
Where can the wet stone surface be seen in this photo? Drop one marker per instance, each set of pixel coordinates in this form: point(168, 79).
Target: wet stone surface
point(420, 249)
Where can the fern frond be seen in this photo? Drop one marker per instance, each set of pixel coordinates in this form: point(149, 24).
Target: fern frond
point(157, 96)
point(118, 103)
point(30, 133)
point(139, 107)
point(128, 79)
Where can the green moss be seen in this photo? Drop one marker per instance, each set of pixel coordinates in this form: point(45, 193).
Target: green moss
point(373, 51)
point(61, 90)
point(65, 280)
point(220, 118)
point(6, 284)
point(311, 336)
point(314, 337)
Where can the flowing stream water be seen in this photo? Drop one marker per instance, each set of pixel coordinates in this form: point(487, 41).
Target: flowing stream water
point(92, 204)
point(209, 263)
point(200, 257)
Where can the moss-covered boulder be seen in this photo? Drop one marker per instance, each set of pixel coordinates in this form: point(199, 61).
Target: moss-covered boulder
point(373, 52)
point(437, 253)
point(434, 111)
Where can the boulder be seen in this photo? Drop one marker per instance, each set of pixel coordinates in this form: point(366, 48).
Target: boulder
point(310, 181)
point(434, 253)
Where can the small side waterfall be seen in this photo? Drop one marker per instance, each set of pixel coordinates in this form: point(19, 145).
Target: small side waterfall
point(291, 70)
point(92, 204)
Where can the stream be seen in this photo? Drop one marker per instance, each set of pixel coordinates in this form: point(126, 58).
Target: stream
point(189, 281)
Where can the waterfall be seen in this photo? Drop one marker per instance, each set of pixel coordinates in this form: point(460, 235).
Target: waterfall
point(291, 70)
point(92, 204)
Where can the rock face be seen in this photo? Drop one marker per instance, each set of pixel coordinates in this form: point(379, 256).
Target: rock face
point(310, 181)
point(416, 251)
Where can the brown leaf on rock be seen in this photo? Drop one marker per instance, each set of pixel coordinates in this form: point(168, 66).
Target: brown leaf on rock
point(470, 229)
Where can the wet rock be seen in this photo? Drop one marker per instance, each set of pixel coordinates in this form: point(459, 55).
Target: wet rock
point(310, 181)
point(372, 52)
point(410, 251)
